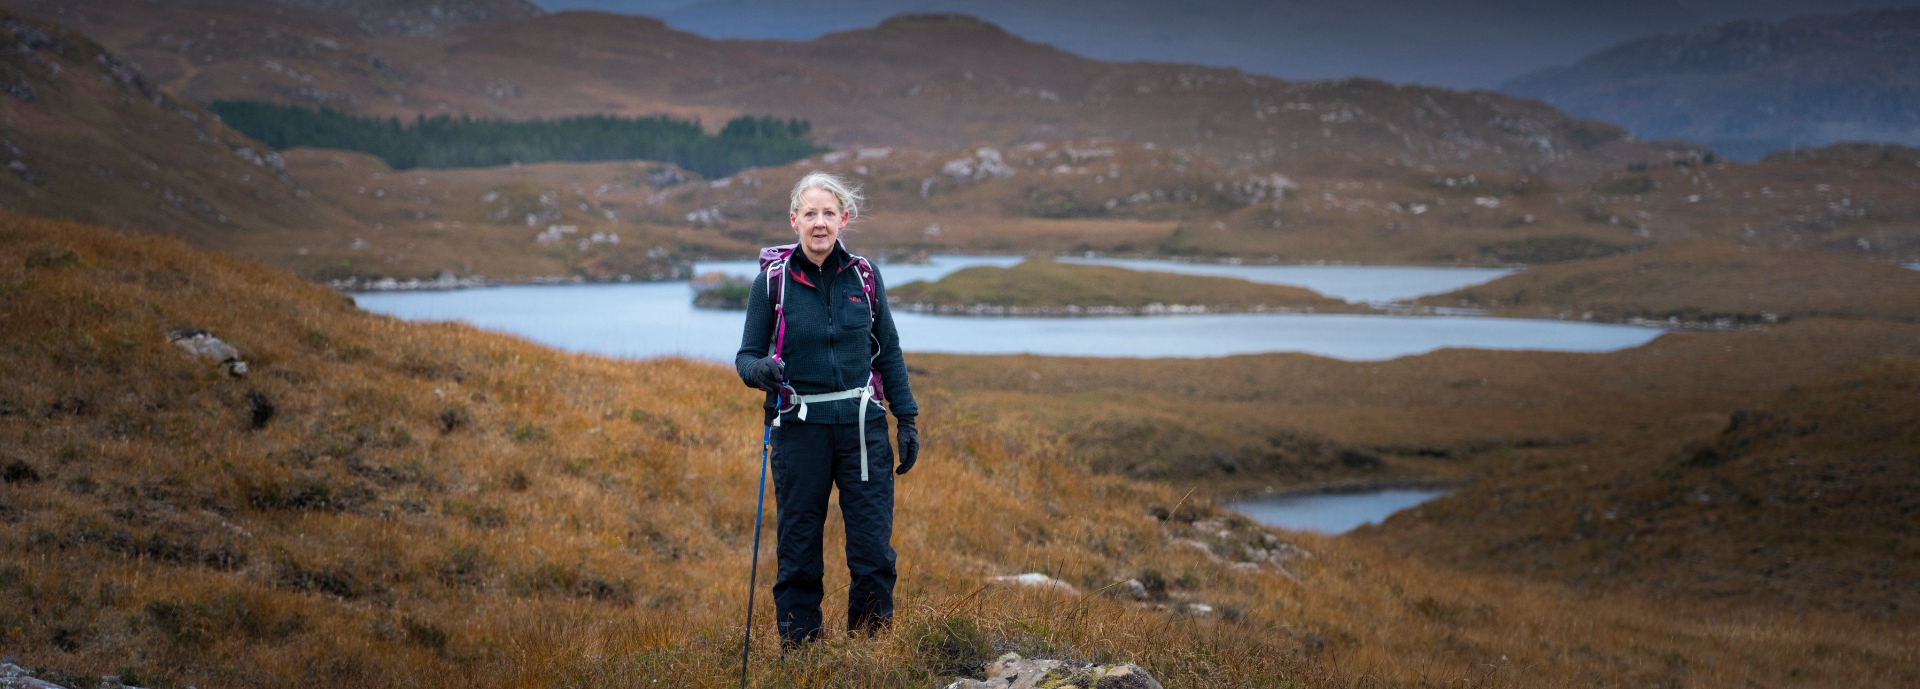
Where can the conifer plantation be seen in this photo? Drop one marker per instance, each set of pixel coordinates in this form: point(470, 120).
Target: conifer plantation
point(449, 142)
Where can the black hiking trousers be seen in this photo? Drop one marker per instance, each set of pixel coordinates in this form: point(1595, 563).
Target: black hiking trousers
point(809, 460)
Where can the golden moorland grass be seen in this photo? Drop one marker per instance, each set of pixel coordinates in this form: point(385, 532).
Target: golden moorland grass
point(1046, 284)
point(431, 505)
point(1807, 500)
point(1703, 281)
point(1277, 422)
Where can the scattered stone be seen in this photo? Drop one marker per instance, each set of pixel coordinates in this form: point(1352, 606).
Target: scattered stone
point(1132, 588)
point(1010, 671)
point(198, 343)
point(984, 163)
point(15, 677)
point(1039, 580)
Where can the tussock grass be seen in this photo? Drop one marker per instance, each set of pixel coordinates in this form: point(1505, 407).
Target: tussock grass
point(431, 505)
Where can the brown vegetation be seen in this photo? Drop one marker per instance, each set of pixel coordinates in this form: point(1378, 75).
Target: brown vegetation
point(432, 504)
point(1045, 285)
point(1805, 501)
point(1277, 422)
point(505, 223)
point(1702, 282)
point(85, 136)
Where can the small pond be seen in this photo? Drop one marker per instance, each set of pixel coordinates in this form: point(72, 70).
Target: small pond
point(1332, 513)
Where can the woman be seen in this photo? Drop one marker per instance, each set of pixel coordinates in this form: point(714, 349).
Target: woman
point(830, 430)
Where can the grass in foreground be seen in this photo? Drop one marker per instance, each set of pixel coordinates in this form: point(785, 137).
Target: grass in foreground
point(430, 505)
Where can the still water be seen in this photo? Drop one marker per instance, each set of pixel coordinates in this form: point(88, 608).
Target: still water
point(640, 320)
point(1332, 513)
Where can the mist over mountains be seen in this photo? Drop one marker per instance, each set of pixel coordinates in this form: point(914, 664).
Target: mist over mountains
point(1452, 43)
point(1750, 87)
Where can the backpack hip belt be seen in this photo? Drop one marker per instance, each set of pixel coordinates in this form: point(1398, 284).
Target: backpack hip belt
point(866, 397)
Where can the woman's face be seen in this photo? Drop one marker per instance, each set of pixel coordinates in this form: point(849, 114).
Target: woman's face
point(818, 221)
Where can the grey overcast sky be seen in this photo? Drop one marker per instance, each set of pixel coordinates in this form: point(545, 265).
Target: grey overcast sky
point(1455, 43)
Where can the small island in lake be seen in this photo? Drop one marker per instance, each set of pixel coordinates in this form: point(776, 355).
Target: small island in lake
point(721, 291)
point(1044, 287)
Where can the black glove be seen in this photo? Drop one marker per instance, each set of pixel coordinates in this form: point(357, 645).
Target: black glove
point(909, 444)
point(766, 374)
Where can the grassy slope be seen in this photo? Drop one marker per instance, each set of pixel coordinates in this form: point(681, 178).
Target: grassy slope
point(96, 142)
point(484, 221)
point(1807, 501)
point(1043, 283)
point(1703, 282)
point(435, 505)
point(1286, 421)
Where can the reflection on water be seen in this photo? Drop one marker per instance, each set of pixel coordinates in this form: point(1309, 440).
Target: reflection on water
point(1332, 513)
point(640, 320)
point(1370, 284)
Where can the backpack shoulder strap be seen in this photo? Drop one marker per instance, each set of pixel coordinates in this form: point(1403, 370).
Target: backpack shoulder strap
point(774, 261)
point(864, 269)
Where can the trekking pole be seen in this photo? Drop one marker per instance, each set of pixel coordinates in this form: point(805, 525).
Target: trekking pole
point(759, 509)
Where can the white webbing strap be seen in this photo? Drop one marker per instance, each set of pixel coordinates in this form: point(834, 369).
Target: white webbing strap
point(866, 396)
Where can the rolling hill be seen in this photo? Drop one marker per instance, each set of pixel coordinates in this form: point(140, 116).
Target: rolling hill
point(1749, 87)
point(922, 81)
point(1805, 501)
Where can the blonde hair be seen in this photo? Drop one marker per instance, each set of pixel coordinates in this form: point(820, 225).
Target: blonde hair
point(847, 194)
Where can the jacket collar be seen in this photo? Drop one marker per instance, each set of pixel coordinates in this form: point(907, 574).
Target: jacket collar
point(836, 258)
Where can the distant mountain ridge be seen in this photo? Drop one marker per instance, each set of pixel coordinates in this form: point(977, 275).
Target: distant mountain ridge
point(1459, 44)
point(931, 81)
point(1749, 87)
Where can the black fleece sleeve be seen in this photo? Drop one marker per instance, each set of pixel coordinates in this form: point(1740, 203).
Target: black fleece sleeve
point(757, 337)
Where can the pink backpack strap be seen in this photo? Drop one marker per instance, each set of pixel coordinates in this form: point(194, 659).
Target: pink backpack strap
point(774, 261)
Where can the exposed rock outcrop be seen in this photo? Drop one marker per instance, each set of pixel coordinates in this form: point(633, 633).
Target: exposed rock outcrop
point(1011, 671)
point(201, 344)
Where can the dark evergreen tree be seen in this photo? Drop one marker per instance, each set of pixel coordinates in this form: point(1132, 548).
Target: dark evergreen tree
point(444, 141)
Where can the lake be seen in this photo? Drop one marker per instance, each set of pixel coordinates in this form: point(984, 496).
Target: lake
point(1332, 513)
point(641, 320)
